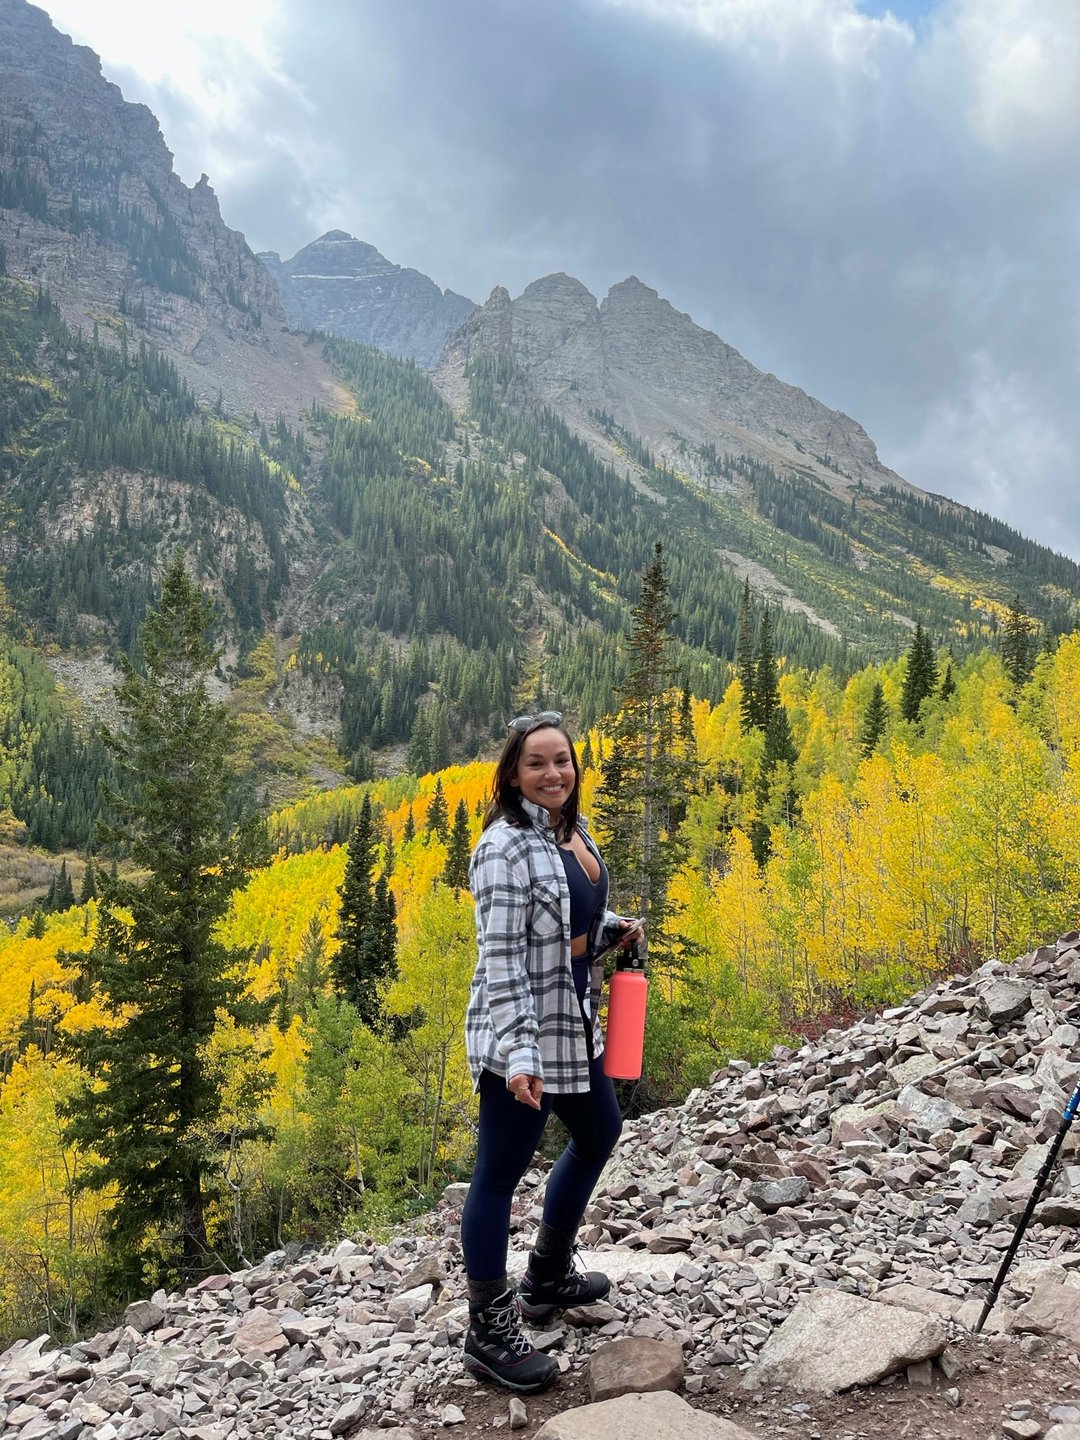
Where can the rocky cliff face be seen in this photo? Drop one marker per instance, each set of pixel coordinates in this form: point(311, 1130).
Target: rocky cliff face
point(345, 287)
point(674, 385)
point(90, 208)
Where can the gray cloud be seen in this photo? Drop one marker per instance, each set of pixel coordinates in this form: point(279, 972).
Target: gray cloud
point(889, 218)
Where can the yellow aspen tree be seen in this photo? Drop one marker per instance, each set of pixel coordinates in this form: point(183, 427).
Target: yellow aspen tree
point(1005, 814)
point(792, 890)
point(37, 967)
point(436, 958)
point(50, 1230)
point(1063, 698)
point(904, 812)
point(276, 1159)
point(831, 955)
point(740, 930)
point(273, 911)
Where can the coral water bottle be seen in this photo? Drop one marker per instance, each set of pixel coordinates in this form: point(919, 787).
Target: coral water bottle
point(625, 1038)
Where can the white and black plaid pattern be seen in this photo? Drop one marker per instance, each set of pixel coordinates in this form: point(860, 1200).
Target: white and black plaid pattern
point(523, 1016)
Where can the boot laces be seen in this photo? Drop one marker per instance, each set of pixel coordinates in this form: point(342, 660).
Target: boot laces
point(503, 1322)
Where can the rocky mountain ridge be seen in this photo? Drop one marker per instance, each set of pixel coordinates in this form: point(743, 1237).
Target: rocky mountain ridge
point(681, 390)
point(91, 209)
point(686, 442)
point(801, 1248)
point(345, 287)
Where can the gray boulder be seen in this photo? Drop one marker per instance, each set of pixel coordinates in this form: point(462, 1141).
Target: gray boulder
point(833, 1340)
point(660, 1416)
point(635, 1365)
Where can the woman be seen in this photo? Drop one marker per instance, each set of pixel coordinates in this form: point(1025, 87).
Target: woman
point(534, 1043)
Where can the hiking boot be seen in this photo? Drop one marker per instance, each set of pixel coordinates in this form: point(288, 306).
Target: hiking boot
point(553, 1282)
point(496, 1347)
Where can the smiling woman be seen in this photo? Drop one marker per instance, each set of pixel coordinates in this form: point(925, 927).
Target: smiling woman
point(535, 1044)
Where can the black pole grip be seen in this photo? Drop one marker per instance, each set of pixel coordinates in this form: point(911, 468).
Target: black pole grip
point(1040, 1181)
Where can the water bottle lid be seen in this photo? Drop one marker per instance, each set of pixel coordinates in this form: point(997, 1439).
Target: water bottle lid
point(631, 958)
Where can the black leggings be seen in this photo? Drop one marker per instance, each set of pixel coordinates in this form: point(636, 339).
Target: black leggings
point(509, 1135)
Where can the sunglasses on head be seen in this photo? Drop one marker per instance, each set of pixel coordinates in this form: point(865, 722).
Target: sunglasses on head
point(524, 723)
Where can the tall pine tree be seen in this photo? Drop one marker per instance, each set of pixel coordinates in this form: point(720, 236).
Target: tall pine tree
point(921, 676)
point(775, 794)
point(874, 721)
point(766, 675)
point(161, 975)
point(355, 967)
point(437, 820)
point(643, 796)
point(456, 870)
point(744, 661)
point(1018, 646)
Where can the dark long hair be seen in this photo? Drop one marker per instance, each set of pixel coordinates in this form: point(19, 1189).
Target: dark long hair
point(505, 803)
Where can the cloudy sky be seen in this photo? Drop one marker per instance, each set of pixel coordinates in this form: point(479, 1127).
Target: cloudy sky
point(879, 202)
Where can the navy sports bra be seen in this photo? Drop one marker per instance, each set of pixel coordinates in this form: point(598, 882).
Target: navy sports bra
point(584, 893)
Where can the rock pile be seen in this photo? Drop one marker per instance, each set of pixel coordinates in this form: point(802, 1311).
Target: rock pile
point(816, 1222)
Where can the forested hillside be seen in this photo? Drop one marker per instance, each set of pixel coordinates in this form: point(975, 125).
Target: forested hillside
point(267, 601)
point(833, 843)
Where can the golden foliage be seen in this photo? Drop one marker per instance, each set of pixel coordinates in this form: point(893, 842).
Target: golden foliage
point(937, 850)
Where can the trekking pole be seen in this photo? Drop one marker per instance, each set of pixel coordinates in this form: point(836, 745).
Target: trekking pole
point(1040, 1181)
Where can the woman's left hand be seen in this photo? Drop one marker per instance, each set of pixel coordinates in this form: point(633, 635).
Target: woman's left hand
point(526, 1088)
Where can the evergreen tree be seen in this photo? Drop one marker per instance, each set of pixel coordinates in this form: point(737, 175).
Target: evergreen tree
point(1018, 647)
point(643, 796)
point(744, 661)
point(777, 801)
point(456, 870)
point(948, 683)
point(874, 721)
point(384, 928)
point(64, 893)
point(89, 884)
point(921, 676)
point(354, 970)
point(437, 820)
point(162, 976)
point(310, 967)
point(766, 675)
point(408, 830)
point(420, 743)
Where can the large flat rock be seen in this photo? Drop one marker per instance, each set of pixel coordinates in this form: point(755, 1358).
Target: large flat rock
point(616, 1263)
point(662, 1416)
point(833, 1341)
point(635, 1365)
point(1052, 1310)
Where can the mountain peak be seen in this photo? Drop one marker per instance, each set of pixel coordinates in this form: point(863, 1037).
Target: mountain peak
point(344, 286)
point(559, 284)
point(632, 286)
point(676, 386)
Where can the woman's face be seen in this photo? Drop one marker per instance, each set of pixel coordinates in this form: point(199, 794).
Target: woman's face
point(545, 770)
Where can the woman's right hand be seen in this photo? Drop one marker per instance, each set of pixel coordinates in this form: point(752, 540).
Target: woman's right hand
point(527, 1089)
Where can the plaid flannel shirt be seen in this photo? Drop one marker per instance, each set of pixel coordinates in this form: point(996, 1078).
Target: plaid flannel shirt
point(523, 1016)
